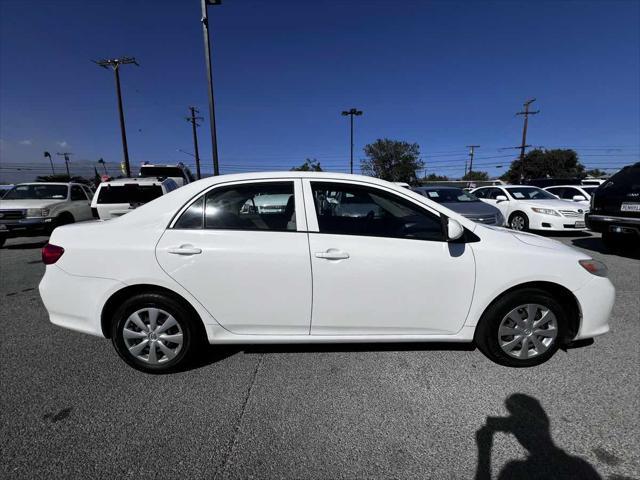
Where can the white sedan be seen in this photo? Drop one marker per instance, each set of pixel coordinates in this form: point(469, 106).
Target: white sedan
point(197, 265)
point(574, 193)
point(532, 208)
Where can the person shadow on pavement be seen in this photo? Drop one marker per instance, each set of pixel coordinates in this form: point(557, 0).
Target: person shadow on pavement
point(529, 423)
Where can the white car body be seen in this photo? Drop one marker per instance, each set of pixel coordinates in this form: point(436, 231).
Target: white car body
point(566, 216)
point(572, 193)
point(179, 173)
point(303, 285)
point(106, 208)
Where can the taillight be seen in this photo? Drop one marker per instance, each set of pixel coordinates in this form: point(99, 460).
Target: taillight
point(51, 253)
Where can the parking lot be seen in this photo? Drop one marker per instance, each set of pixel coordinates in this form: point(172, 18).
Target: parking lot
point(71, 408)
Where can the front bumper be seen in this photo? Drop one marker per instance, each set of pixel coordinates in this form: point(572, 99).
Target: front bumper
point(557, 224)
point(607, 223)
point(596, 300)
point(76, 302)
point(26, 227)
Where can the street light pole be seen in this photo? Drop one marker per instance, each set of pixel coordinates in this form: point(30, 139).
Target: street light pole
point(115, 66)
point(351, 113)
point(66, 161)
point(207, 55)
point(47, 154)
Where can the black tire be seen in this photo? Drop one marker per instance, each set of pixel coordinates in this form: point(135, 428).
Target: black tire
point(64, 218)
point(486, 336)
point(191, 334)
point(519, 221)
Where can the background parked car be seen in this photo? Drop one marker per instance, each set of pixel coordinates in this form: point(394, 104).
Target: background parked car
point(574, 193)
point(531, 208)
point(179, 173)
point(615, 208)
point(464, 203)
point(118, 197)
point(31, 209)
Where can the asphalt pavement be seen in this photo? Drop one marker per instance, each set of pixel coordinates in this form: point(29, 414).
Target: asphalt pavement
point(70, 408)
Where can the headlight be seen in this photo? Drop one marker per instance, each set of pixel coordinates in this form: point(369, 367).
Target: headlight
point(37, 212)
point(545, 211)
point(594, 267)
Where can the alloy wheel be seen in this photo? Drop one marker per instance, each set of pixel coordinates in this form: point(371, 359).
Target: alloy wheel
point(152, 335)
point(527, 331)
point(518, 223)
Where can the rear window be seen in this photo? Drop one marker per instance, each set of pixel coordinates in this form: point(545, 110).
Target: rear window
point(625, 181)
point(129, 193)
point(161, 172)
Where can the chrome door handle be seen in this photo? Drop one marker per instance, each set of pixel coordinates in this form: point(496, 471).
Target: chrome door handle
point(332, 254)
point(185, 250)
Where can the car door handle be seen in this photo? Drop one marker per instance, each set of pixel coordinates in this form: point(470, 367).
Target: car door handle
point(332, 254)
point(185, 250)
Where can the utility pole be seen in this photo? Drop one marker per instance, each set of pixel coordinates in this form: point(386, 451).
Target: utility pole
point(471, 153)
point(193, 120)
point(104, 165)
point(47, 154)
point(114, 64)
point(207, 56)
point(351, 113)
point(66, 161)
point(524, 145)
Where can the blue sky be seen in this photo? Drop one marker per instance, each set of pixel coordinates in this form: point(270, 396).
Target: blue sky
point(442, 74)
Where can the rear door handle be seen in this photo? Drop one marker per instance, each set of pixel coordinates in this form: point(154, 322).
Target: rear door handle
point(332, 254)
point(185, 250)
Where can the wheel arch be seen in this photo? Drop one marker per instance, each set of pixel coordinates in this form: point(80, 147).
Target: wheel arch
point(561, 293)
point(121, 295)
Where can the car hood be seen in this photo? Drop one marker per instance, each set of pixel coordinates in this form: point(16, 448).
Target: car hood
point(24, 204)
point(471, 208)
point(555, 204)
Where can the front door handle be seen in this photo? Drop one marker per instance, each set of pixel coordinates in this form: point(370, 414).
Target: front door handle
point(332, 254)
point(185, 250)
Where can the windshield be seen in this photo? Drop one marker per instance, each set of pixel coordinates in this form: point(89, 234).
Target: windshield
point(161, 172)
point(530, 193)
point(129, 193)
point(37, 192)
point(449, 195)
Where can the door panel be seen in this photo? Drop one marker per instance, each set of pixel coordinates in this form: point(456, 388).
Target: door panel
point(250, 268)
point(388, 276)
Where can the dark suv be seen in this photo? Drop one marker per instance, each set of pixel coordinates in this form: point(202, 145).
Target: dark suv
point(615, 208)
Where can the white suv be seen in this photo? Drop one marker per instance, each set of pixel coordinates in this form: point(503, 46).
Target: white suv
point(179, 172)
point(532, 208)
point(32, 209)
point(118, 197)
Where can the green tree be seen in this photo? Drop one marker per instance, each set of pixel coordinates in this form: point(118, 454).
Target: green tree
point(309, 165)
point(432, 177)
point(392, 160)
point(62, 178)
point(473, 175)
point(541, 163)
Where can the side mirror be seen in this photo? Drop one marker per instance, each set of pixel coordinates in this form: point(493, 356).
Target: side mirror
point(579, 198)
point(454, 230)
point(502, 198)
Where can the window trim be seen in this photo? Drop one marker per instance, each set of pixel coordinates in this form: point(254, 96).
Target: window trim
point(301, 221)
point(310, 208)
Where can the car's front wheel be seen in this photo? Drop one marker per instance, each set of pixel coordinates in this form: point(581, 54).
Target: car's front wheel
point(522, 329)
point(519, 222)
point(153, 333)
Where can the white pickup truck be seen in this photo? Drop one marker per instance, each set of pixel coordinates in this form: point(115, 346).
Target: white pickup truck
point(32, 209)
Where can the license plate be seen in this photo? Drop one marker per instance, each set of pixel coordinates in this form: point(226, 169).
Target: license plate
point(630, 207)
point(580, 225)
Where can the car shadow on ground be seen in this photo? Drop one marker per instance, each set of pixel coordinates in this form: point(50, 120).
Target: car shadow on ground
point(529, 424)
point(26, 245)
point(595, 244)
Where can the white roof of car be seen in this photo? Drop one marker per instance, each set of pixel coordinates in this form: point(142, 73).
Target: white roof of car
point(47, 183)
point(567, 186)
point(139, 180)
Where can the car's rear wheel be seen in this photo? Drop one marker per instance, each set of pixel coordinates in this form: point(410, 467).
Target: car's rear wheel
point(153, 333)
point(519, 221)
point(522, 329)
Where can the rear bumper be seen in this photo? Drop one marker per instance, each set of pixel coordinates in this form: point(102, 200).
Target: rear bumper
point(596, 300)
point(605, 223)
point(25, 227)
point(76, 302)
